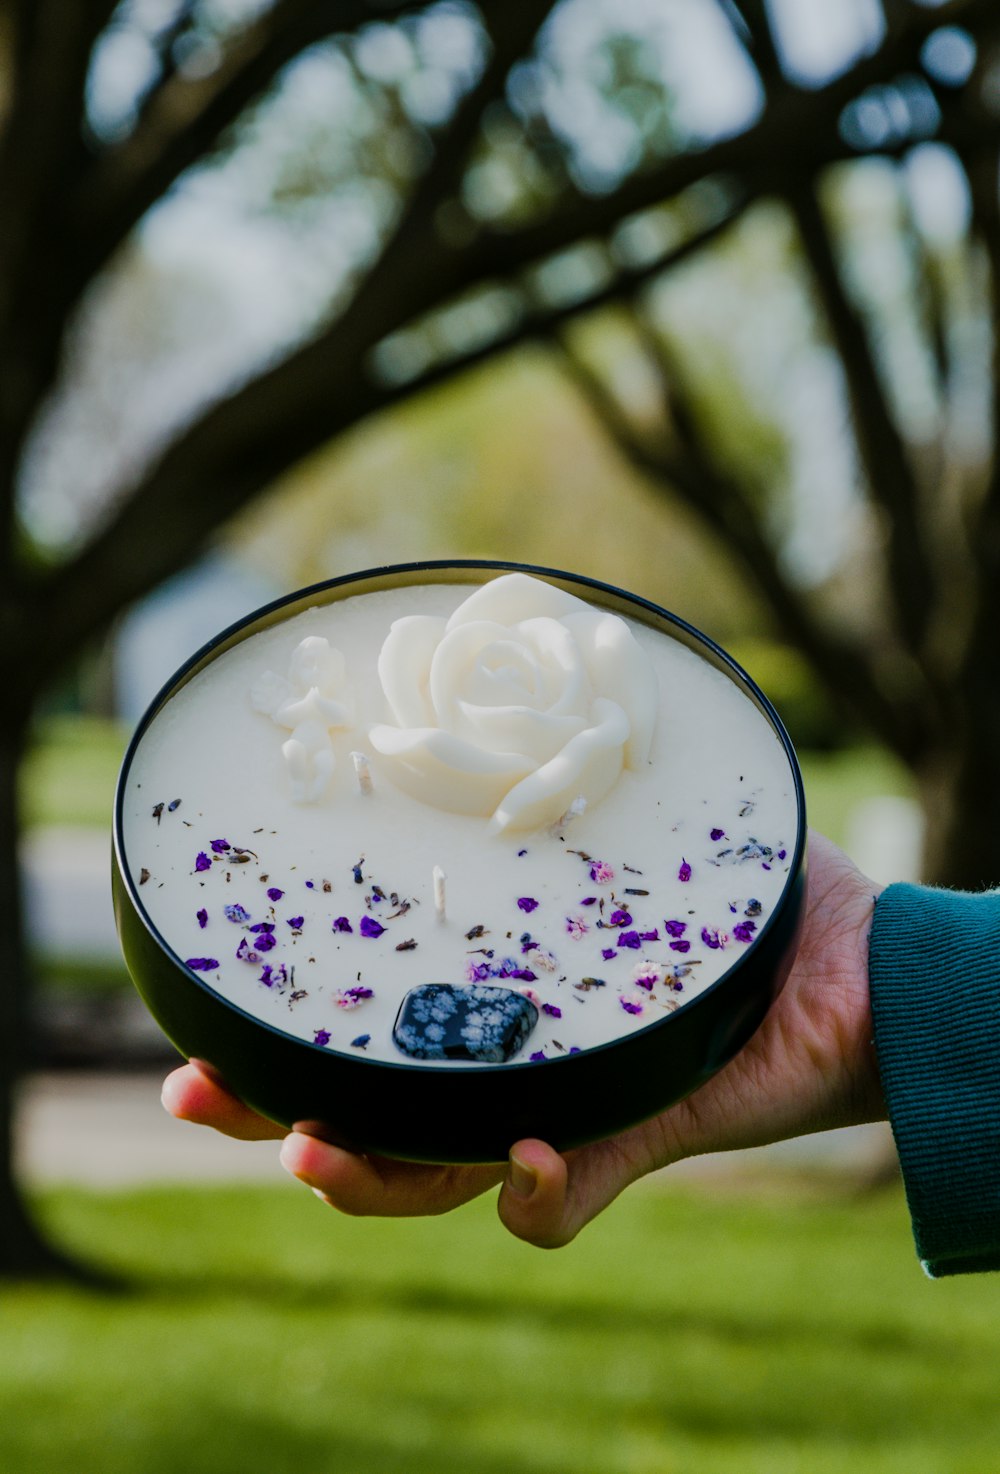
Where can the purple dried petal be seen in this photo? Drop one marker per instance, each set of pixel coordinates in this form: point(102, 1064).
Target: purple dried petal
point(477, 972)
point(295, 922)
point(589, 901)
point(527, 903)
point(274, 977)
point(650, 936)
point(202, 964)
point(321, 1036)
point(539, 1054)
point(646, 982)
point(265, 942)
point(202, 862)
point(524, 975)
point(677, 987)
point(273, 893)
point(684, 873)
point(361, 1042)
point(245, 953)
point(680, 946)
point(236, 913)
point(629, 939)
point(575, 1049)
point(717, 834)
point(629, 1006)
point(262, 926)
point(552, 1010)
point(607, 953)
point(713, 938)
point(675, 928)
point(744, 930)
point(782, 854)
point(220, 846)
point(370, 927)
point(202, 916)
point(342, 924)
point(619, 918)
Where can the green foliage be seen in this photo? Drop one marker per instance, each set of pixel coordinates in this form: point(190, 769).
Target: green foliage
point(69, 774)
point(789, 1334)
point(792, 687)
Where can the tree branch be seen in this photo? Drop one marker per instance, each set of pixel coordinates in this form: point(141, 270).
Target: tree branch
point(184, 117)
point(756, 36)
point(688, 469)
point(202, 480)
point(911, 573)
point(798, 132)
point(248, 439)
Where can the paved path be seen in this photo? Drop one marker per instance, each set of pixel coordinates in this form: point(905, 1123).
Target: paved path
point(109, 1130)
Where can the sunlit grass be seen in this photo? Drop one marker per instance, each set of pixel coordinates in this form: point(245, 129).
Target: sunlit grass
point(265, 1335)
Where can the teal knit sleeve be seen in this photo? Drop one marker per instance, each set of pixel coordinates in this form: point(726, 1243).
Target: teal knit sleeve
point(934, 971)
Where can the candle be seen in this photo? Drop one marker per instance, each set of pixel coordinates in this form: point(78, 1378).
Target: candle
point(614, 815)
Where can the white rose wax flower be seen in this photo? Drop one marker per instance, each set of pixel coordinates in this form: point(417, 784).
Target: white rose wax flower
point(458, 830)
point(522, 703)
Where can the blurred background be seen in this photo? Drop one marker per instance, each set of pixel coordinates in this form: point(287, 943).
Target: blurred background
point(698, 297)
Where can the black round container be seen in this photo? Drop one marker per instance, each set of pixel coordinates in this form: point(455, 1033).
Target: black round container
point(447, 1113)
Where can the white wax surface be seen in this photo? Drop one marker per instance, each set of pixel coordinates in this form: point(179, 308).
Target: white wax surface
point(715, 764)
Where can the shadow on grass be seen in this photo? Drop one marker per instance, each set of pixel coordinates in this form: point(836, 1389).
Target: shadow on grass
point(499, 1310)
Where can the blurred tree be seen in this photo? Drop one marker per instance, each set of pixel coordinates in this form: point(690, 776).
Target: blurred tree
point(502, 174)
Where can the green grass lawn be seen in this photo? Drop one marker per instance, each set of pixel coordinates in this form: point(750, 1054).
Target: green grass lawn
point(685, 1333)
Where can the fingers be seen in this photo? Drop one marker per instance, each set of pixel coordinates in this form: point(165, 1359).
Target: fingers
point(193, 1093)
point(546, 1198)
point(377, 1186)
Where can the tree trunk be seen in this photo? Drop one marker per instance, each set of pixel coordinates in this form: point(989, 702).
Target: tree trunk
point(960, 796)
point(24, 1250)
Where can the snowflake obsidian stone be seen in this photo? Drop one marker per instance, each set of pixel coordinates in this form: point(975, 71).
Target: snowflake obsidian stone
point(440, 1021)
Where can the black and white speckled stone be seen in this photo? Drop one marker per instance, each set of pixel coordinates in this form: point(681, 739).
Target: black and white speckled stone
point(441, 1021)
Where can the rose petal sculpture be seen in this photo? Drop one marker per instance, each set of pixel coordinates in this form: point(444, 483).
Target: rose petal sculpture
point(525, 700)
point(311, 702)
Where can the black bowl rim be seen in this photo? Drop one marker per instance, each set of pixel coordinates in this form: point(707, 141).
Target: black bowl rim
point(694, 636)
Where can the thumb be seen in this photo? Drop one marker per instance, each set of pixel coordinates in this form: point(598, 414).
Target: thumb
point(546, 1198)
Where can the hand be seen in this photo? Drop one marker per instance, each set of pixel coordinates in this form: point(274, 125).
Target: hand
point(809, 1067)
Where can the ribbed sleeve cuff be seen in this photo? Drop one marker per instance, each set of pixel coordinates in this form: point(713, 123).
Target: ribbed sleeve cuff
point(934, 971)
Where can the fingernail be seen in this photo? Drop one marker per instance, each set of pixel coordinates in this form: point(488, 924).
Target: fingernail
point(521, 1178)
point(283, 1157)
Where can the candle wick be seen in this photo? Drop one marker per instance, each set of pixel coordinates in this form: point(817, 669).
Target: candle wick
point(363, 772)
point(575, 810)
point(439, 880)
